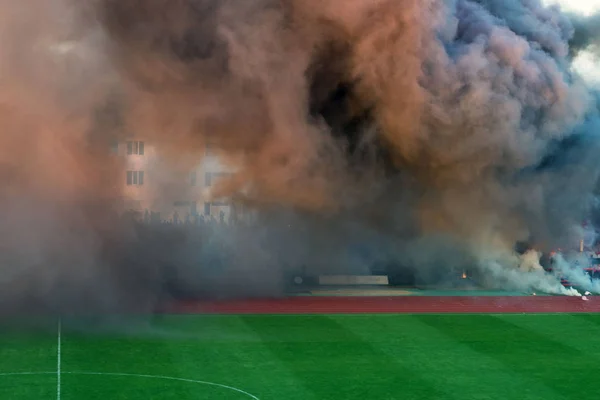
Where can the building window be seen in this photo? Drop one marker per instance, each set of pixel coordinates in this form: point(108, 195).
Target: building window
point(193, 178)
point(135, 178)
point(114, 147)
point(135, 147)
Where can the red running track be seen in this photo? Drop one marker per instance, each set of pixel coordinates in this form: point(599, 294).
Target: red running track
point(396, 304)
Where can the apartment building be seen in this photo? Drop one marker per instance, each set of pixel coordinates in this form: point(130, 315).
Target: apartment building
point(181, 195)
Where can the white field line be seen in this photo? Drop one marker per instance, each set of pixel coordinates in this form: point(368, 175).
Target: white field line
point(170, 378)
point(58, 360)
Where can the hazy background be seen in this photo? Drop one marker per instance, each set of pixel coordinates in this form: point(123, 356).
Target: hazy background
point(431, 134)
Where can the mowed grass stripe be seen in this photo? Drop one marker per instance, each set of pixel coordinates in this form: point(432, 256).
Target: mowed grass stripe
point(27, 346)
point(580, 332)
point(114, 352)
point(28, 387)
point(193, 347)
point(593, 319)
point(522, 351)
point(443, 361)
point(334, 363)
point(246, 362)
point(219, 349)
point(262, 327)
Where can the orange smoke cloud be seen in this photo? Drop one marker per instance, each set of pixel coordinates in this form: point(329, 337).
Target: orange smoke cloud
point(408, 119)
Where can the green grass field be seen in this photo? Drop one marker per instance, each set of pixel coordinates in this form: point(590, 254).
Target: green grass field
point(342, 357)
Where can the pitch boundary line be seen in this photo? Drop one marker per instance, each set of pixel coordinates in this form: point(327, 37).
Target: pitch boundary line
point(170, 378)
point(58, 360)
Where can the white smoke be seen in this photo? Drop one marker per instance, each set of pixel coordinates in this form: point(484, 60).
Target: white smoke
point(573, 268)
point(508, 270)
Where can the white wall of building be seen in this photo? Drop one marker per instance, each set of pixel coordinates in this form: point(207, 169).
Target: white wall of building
point(189, 194)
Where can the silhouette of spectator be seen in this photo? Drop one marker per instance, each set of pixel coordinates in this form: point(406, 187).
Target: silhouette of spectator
point(175, 217)
point(231, 218)
point(222, 217)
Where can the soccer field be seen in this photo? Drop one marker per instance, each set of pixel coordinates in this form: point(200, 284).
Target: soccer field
point(381, 356)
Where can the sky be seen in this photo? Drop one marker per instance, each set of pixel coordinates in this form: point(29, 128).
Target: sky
point(586, 64)
point(583, 6)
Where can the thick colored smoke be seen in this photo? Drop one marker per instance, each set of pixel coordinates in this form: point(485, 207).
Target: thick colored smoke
point(424, 133)
point(587, 33)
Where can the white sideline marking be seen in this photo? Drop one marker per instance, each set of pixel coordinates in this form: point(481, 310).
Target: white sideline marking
point(58, 362)
point(28, 373)
point(170, 378)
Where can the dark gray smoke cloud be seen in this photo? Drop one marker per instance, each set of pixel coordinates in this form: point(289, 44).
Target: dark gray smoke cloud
point(587, 33)
point(431, 134)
